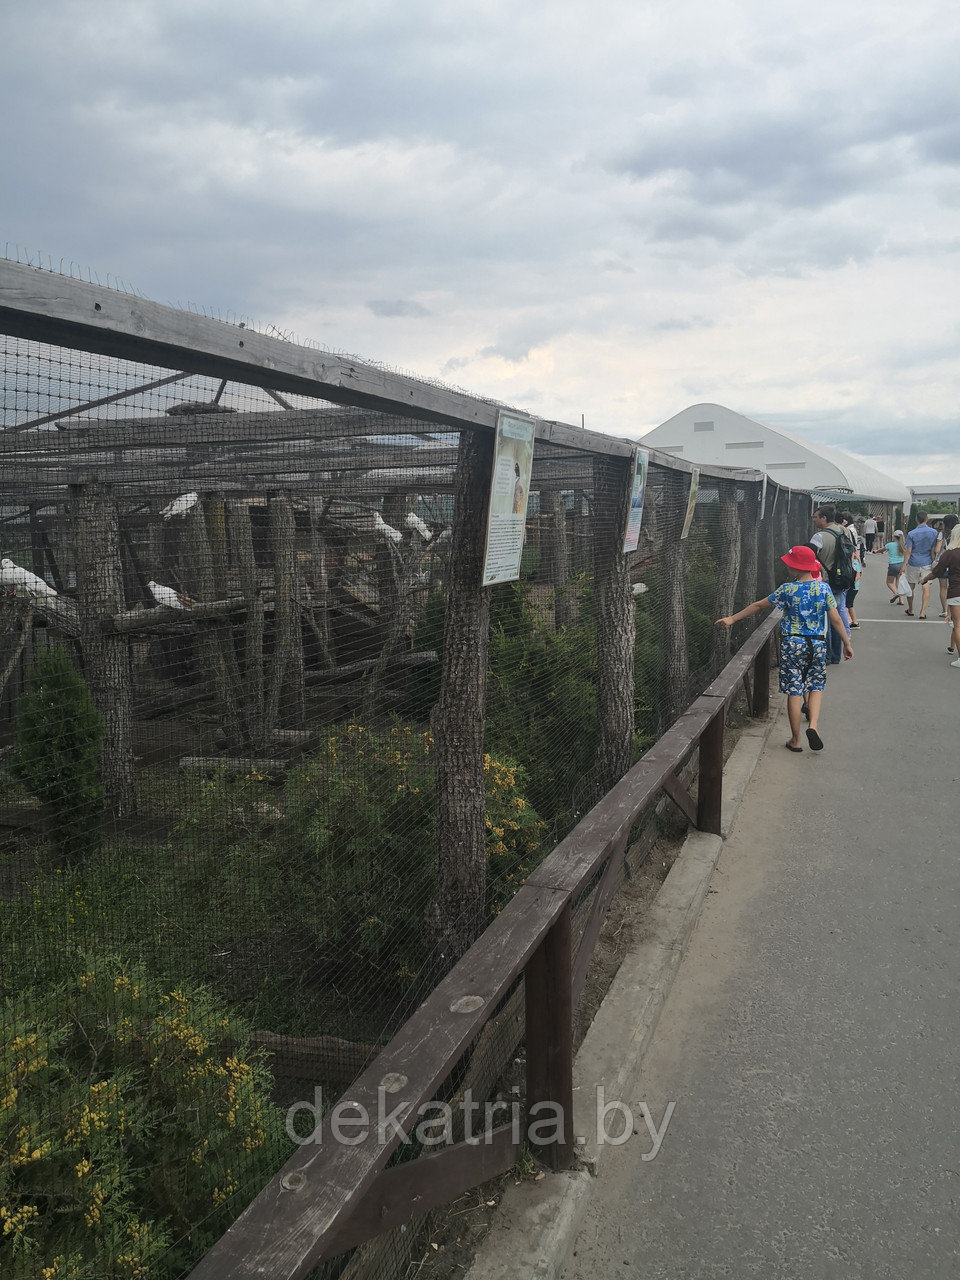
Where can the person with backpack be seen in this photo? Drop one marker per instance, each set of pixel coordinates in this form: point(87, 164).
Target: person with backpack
point(834, 550)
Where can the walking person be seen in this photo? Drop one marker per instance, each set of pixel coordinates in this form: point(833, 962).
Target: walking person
point(922, 543)
point(896, 553)
point(881, 535)
point(949, 526)
point(870, 532)
point(859, 551)
point(807, 604)
point(947, 569)
point(830, 542)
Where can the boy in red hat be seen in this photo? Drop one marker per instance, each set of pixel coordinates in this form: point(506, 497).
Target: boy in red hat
point(807, 604)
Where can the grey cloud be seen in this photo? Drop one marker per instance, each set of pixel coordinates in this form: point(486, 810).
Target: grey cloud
point(870, 431)
point(398, 307)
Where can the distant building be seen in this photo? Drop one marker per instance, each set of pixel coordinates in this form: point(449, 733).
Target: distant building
point(711, 435)
point(923, 494)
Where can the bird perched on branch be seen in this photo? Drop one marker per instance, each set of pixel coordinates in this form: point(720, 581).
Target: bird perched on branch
point(386, 530)
point(24, 582)
point(169, 597)
point(180, 506)
point(413, 521)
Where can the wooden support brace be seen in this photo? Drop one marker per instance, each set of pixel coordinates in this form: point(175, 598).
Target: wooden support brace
point(681, 798)
point(417, 1186)
point(760, 705)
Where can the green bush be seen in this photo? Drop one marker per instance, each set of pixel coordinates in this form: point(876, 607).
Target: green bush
point(542, 701)
point(59, 737)
point(134, 1125)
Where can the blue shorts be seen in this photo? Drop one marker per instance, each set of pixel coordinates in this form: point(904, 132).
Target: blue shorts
point(803, 663)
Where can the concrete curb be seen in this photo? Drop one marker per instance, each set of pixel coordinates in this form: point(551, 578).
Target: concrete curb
point(537, 1222)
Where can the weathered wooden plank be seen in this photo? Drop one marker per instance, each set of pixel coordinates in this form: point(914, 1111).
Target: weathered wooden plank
point(728, 681)
point(46, 307)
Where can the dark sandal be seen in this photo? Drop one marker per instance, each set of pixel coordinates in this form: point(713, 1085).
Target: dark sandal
point(816, 742)
point(792, 748)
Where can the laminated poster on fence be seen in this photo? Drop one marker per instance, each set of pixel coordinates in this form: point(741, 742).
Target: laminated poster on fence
point(691, 502)
point(631, 537)
point(509, 493)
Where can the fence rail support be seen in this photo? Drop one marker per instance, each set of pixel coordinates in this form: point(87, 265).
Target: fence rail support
point(549, 1014)
point(710, 784)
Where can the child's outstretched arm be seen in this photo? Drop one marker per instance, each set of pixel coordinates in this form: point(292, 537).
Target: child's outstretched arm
point(837, 623)
point(758, 606)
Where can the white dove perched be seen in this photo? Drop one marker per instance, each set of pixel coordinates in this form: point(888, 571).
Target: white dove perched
point(167, 596)
point(413, 521)
point(180, 506)
point(386, 530)
point(22, 580)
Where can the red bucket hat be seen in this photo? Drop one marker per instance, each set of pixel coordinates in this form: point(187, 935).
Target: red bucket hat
point(802, 558)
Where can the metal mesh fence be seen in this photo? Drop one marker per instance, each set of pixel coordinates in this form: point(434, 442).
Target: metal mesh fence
point(222, 630)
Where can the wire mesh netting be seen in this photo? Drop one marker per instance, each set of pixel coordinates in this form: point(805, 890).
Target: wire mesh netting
point(223, 623)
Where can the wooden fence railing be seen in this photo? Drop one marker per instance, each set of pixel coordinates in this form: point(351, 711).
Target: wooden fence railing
point(329, 1196)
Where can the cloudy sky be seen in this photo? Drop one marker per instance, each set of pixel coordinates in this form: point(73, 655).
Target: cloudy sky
point(611, 209)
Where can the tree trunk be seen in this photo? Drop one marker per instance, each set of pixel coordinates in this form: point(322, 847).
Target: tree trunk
point(285, 684)
point(728, 570)
point(218, 657)
point(241, 539)
point(616, 624)
point(554, 553)
point(106, 660)
point(458, 719)
point(749, 538)
point(673, 555)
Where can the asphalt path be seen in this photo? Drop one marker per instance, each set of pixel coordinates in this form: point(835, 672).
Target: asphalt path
point(811, 1041)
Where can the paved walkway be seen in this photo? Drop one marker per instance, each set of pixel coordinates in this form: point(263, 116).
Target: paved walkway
point(812, 1039)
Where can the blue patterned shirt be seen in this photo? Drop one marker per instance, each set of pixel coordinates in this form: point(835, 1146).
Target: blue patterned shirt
point(805, 607)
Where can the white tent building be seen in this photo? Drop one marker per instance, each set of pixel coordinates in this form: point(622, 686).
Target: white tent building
point(710, 435)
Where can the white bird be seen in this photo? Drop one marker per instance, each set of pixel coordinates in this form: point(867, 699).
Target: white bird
point(413, 521)
point(168, 597)
point(639, 588)
point(11, 575)
point(180, 506)
point(386, 530)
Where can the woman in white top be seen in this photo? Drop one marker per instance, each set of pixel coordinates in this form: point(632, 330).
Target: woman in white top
point(951, 540)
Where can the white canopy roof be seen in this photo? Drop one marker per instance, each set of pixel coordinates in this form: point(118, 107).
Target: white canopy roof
point(716, 436)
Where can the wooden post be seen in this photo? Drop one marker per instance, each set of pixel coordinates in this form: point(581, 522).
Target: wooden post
point(710, 780)
point(554, 553)
point(549, 1040)
point(285, 691)
point(106, 660)
point(761, 682)
point(728, 569)
point(320, 582)
point(217, 655)
point(749, 540)
point(673, 560)
point(458, 717)
point(241, 541)
point(616, 623)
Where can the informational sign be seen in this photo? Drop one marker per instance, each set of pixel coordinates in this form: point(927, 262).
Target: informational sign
point(509, 491)
point(691, 502)
point(631, 536)
point(763, 496)
point(776, 495)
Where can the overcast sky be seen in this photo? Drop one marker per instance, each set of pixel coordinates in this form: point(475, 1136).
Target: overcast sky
point(612, 209)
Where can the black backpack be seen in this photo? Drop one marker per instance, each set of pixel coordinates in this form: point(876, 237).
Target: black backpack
point(842, 574)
